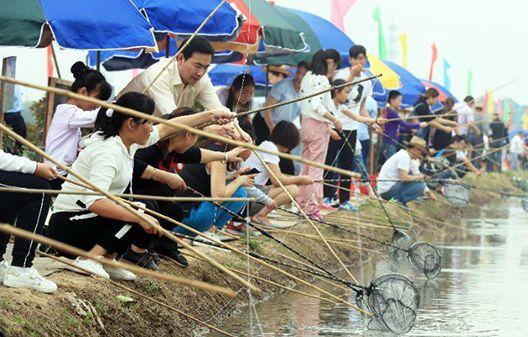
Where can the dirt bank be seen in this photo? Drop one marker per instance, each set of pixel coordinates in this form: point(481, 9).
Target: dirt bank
point(27, 313)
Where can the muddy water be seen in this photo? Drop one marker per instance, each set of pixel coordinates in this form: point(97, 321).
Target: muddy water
point(481, 291)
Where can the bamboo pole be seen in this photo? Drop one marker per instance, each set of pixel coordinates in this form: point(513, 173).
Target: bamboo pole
point(134, 196)
point(122, 203)
point(304, 215)
point(173, 124)
point(8, 229)
point(135, 292)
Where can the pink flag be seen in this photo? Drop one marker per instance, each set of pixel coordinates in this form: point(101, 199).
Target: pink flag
point(339, 10)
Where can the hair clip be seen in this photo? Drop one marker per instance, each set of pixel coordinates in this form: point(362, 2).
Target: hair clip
point(109, 113)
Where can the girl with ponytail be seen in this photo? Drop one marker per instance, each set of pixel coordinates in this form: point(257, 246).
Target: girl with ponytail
point(64, 134)
point(316, 119)
point(95, 223)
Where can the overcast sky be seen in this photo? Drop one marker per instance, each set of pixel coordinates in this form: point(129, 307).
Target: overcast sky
point(484, 36)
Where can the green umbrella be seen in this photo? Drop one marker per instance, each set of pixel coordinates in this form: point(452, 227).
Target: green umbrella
point(22, 23)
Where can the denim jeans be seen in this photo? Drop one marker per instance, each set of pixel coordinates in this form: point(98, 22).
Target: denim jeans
point(405, 192)
point(206, 214)
point(388, 150)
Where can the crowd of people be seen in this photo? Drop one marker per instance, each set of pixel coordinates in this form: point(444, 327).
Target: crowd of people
point(131, 155)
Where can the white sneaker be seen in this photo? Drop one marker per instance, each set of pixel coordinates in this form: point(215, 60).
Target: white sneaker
point(92, 266)
point(18, 277)
point(4, 266)
point(120, 273)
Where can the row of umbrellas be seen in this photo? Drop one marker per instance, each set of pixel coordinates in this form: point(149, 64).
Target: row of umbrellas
point(126, 34)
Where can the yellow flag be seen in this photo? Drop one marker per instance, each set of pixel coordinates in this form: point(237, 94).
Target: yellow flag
point(403, 43)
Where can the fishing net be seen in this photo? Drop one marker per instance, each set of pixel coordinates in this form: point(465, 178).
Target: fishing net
point(401, 242)
point(433, 167)
point(393, 299)
point(425, 258)
point(524, 203)
point(457, 194)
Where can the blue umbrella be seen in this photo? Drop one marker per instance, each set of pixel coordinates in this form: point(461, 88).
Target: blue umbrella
point(224, 74)
point(183, 17)
point(410, 87)
point(98, 24)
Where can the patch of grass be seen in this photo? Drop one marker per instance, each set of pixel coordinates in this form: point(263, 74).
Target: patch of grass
point(149, 287)
point(72, 321)
point(4, 302)
point(254, 244)
point(101, 308)
point(26, 325)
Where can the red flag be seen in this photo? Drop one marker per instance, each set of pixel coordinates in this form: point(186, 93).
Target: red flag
point(49, 59)
point(339, 10)
point(433, 61)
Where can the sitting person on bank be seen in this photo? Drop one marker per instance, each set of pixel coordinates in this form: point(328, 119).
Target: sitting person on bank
point(217, 180)
point(460, 164)
point(93, 222)
point(284, 137)
point(395, 178)
point(27, 211)
point(64, 134)
point(152, 178)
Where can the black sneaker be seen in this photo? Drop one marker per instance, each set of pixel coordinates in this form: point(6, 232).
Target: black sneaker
point(144, 260)
point(170, 250)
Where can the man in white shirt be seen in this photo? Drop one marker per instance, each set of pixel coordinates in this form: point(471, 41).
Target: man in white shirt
point(183, 83)
point(516, 150)
point(359, 92)
point(395, 178)
point(466, 116)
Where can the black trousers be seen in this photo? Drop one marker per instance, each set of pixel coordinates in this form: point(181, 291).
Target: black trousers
point(340, 154)
point(170, 209)
point(17, 123)
point(24, 210)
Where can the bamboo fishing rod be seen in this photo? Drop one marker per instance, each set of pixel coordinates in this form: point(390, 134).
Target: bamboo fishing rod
point(135, 292)
point(176, 125)
point(121, 202)
point(295, 100)
point(180, 50)
point(285, 190)
point(238, 251)
point(278, 285)
point(18, 232)
point(133, 196)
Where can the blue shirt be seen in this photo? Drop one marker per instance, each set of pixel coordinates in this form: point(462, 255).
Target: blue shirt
point(372, 109)
point(285, 91)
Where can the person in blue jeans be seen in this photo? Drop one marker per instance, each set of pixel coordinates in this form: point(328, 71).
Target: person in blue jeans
point(395, 178)
point(205, 215)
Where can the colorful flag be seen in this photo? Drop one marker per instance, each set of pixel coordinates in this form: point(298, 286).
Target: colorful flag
point(382, 49)
point(434, 56)
point(447, 80)
point(506, 111)
point(469, 82)
point(339, 9)
point(403, 44)
point(525, 119)
point(491, 103)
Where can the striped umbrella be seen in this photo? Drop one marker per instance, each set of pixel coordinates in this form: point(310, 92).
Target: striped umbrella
point(444, 93)
point(265, 31)
point(74, 24)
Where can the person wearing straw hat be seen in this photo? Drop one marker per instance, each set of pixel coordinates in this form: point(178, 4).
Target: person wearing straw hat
point(395, 178)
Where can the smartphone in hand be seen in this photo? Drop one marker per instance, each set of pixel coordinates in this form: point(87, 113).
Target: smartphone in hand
point(252, 171)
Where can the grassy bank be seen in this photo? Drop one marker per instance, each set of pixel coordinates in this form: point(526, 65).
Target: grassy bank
point(27, 313)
